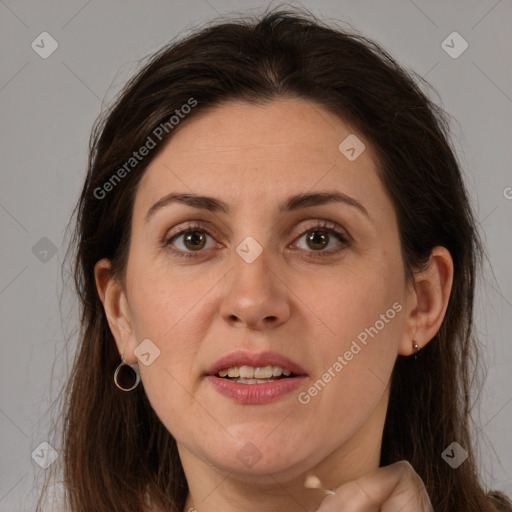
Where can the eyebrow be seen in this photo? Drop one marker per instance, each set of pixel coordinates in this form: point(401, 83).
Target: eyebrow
point(293, 203)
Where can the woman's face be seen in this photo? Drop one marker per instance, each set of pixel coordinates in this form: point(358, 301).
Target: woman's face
point(259, 281)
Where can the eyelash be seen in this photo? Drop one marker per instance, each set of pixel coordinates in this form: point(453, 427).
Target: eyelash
point(320, 226)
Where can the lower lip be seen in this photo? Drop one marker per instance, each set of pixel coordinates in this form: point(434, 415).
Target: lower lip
point(255, 393)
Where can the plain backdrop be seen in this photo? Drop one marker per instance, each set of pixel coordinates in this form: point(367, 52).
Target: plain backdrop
point(48, 106)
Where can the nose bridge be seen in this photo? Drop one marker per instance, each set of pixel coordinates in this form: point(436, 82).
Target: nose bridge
point(255, 296)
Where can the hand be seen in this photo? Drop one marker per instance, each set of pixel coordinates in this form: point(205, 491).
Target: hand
point(393, 488)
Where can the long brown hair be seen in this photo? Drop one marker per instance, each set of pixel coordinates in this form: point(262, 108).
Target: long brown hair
point(116, 452)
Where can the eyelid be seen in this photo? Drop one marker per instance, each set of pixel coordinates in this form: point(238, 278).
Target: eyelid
point(328, 225)
point(182, 230)
point(333, 230)
point(190, 226)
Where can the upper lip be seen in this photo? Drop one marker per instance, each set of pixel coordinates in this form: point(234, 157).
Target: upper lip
point(244, 358)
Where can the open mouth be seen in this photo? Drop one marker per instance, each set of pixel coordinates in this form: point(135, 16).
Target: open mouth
point(255, 374)
point(252, 379)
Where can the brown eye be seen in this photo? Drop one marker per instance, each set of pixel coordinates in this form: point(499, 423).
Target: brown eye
point(189, 241)
point(194, 240)
point(318, 239)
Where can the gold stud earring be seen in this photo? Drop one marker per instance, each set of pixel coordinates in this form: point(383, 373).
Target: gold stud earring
point(416, 349)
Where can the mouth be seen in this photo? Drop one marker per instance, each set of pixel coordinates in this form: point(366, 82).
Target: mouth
point(249, 378)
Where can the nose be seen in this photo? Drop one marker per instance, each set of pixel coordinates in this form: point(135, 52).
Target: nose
point(255, 297)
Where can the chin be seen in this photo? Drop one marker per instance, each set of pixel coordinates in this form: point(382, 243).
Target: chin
point(254, 461)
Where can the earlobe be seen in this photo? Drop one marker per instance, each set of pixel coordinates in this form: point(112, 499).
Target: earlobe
point(116, 308)
point(428, 300)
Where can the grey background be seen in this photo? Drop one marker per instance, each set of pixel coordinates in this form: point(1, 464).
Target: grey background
point(47, 110)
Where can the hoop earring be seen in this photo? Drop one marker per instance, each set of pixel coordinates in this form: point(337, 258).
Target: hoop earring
point(416, 349)
point(126, 376)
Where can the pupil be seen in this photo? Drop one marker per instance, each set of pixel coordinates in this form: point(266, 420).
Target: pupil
point(317, 240)
point(192, 239)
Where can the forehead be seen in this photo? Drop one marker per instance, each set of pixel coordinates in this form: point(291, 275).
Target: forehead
point(290, 127)
point(245, 150)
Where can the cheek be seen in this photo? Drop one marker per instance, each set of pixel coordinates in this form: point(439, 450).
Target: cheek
point(361, 320)
point(161, 299)
point(351, 299)
point(164, 312)
point(166, 309)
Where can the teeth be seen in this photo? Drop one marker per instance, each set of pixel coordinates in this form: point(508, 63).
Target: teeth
point(233, 372)
point(264, 372)
point(247, 373)
point(254, 381)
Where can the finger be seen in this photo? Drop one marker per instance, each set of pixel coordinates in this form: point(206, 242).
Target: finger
point(387, 489)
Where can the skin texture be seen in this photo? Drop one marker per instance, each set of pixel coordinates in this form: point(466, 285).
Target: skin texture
point(290, 299)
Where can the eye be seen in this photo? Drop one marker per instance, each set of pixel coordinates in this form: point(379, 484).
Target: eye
point(319, 237)
point(192, 239)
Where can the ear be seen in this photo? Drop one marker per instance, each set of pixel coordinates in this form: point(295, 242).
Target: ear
point(117, 311)
point(427, 300)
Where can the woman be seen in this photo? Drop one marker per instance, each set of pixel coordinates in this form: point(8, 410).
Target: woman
point(276, 260)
